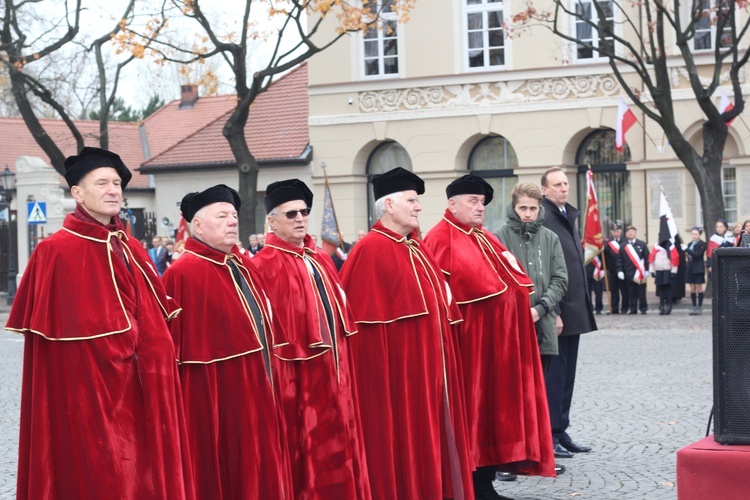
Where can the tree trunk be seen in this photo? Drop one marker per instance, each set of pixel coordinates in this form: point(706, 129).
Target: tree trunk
point(48, 145)
point(248, 172)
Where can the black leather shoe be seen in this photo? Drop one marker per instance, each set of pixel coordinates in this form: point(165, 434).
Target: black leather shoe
point(505, 476)
point(570, 445)
point(559, 469)
point(561, 452)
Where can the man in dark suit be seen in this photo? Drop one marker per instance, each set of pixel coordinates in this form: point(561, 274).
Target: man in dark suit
point(632, 270)
point(611, 251)
point(158, 255)
point(575, 309)
point(254, 245)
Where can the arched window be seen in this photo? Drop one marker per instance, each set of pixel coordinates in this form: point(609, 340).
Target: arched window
point(493, 159)
point(386, 156)
point(611, 179)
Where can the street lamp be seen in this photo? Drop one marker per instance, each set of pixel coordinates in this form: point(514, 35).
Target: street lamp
point(9, 181)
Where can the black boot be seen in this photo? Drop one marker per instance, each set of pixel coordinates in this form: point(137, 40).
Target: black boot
point(483, 488)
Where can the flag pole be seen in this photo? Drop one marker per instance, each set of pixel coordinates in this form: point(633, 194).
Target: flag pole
point(601, 252)
point(333, 209)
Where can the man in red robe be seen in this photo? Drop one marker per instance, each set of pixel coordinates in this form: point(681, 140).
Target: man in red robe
point(506, 399)
point(324, 434)
point(101, 410)
point(224, 339)
point(408, 372)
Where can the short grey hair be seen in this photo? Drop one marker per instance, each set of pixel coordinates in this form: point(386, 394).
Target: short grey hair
point(198, 215)
point(380, 202)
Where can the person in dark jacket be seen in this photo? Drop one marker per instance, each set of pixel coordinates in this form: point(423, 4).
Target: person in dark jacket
point(632, 269)
point(696, 270)
point(575, 308)
point(611, 251)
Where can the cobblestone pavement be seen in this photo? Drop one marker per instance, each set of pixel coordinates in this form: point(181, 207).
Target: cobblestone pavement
point(643, 391)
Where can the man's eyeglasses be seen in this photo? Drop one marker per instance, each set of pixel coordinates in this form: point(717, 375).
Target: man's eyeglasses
point(292, 214)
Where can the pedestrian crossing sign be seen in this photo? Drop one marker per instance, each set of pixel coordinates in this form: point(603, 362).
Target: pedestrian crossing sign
point(37, 211)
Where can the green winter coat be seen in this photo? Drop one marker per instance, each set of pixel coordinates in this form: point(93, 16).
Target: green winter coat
point(540, 252)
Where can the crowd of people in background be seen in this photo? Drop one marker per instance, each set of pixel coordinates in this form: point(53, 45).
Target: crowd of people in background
point(672, 264)
point(397, 367)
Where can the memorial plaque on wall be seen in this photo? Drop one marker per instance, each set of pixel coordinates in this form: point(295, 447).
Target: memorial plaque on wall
point(671, 182)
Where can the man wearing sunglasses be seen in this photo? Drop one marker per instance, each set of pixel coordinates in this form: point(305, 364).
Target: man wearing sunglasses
point(407, 368)
point(316, 380)
point(224, 341)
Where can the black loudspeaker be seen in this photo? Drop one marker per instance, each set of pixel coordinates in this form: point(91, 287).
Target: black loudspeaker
point(731, 342)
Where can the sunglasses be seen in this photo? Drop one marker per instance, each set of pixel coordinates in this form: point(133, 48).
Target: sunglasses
point(292, 214)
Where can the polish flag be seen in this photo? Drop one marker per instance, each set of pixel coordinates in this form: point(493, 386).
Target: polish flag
point(625, 120)
point(726, 105)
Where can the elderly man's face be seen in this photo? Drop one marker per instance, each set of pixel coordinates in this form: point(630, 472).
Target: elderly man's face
point(99, 193)
point(361, 234)
point(527, 208)
point(216, 225)
point(468, 209)
point(405, 212)
point(631, 234)
point(557, 188)
point(292, 230)
point(616, 233)
point(253, 240)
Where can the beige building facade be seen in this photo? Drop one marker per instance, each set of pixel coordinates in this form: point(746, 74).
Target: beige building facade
point(454, 91)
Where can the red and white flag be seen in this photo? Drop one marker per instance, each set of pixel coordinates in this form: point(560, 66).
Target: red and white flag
point(625, 120)
point(725, 105)
point(593, 242)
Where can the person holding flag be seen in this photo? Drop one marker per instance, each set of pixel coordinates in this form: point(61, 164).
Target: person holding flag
point(664, 259)
point(593, 244)
point(631, 268)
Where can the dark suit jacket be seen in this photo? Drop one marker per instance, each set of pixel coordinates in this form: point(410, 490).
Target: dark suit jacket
point(624, 263)
point(575, 307)
point(696, 264)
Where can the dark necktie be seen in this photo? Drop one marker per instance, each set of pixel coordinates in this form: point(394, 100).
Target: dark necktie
point(326, 302)
point(564, 212)
point(255, 310)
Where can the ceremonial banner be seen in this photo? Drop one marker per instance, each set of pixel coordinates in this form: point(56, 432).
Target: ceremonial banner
point(593, 243)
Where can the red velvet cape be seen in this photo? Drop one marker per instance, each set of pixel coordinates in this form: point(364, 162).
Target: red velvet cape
point(234, 420)
point(101, 409)
point(316, 375)
point(408, 372)
point(505, 394)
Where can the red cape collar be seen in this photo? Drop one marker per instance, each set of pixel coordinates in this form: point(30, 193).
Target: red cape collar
point(94, 231)
point(308, 246)
point(204, 251)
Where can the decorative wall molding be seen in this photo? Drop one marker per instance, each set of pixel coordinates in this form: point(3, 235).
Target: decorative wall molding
point(676, 73)
point(487, 94)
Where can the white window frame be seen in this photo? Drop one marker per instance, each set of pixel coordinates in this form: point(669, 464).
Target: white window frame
point(595, 57)
point(484, 8)
point(711, 27)
point(382, 36)
point(732, 220)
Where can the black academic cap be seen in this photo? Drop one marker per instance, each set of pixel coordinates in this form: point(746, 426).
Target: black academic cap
point(615, 226)
point(279, 192)
point(89, 159)
point(470, 184)
point(192, 202)
point(396, 180)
